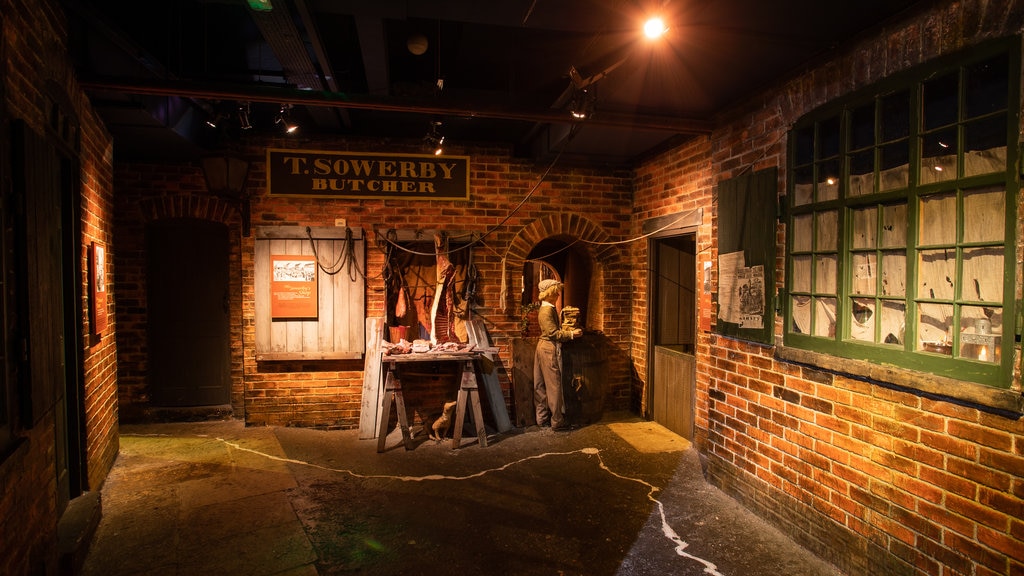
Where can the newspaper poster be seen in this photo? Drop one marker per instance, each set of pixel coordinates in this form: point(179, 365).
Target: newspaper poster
point(740, 291)
point(750, 284)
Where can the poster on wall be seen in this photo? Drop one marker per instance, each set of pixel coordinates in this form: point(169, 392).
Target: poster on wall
point(97, 288)
point(293, 292)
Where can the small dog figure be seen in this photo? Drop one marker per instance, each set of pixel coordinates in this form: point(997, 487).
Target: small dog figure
point(444, 423)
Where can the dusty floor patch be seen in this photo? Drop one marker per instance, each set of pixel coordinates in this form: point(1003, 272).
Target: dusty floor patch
point(649, 437)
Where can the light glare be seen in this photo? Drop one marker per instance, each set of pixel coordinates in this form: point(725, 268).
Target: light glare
point(654, 27)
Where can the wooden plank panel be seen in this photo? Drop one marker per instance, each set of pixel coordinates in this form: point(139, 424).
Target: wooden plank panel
point(261, 287)
point(278, 330)
point(338, 330)
point(369, 409)
point(523, 350)
point(326, 299)
point(293, 328)
point(478, 336)
point(355, 298)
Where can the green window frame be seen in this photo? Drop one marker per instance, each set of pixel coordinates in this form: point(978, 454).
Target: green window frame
point(901, 220)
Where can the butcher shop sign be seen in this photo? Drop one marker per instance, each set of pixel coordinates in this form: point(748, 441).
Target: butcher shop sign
point(323, 174)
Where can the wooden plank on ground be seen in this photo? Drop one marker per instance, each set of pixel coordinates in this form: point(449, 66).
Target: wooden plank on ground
point(369, 410)
point(477, 335)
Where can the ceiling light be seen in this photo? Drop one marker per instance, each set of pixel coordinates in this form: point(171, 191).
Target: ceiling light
point(582, 104)
point(243, 117)
point(654, 28)
point(434, 139)
point(283, 119)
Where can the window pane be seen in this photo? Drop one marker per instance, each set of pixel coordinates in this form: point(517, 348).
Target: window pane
point(933, 328)
point(987, 85)
point(984, 215)
point(936, 271)
point(981, 332)
point(825, 317)
point(827, 229)
point(828, 180)
point(803, 185)
point(864, 270)
point(894, 226)
point(979, 281)
point(828, 138)
point(894, 274)
point(894, 317)
point(801, 314)
point(802, 273)
point(985, 146)
point(895, 116)
point(862, 173)
point(804, 146)
point(938, 220)
point(938, 156)
point(862, 325)
point(894, 171)
point(802, 232)
point(940, 101)
point(862, 127)
point(865, 228)
point(825, 274)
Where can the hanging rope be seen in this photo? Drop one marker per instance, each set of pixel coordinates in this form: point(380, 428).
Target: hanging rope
point(346, 259)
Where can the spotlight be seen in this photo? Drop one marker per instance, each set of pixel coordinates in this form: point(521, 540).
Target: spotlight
point(654, 28)
point(243, 117)
point(434, 138)
point(283, 119)
point(216, 120)
point(581, 106)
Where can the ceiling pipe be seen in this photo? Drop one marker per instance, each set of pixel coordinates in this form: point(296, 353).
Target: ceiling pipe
point(277, 95)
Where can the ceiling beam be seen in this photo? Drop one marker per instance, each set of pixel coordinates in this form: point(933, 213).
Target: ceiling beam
point(281, 95)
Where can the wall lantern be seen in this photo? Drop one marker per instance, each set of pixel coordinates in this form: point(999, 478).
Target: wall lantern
point(225, 177)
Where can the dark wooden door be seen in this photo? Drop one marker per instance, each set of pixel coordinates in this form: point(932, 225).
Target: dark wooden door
point(187, 305)
point(39, 181)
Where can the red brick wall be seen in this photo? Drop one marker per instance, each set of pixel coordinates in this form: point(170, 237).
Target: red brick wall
point(37, 70)
point(327, 394)
point(874, 478)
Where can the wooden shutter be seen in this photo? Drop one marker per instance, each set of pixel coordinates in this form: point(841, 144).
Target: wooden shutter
point(337, 330)
point(747, 214)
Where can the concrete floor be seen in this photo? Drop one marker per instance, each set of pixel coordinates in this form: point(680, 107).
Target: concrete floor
point(619, 497)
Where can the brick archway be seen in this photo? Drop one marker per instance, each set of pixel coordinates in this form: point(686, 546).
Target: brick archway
point(592, 239)
point(186, 205)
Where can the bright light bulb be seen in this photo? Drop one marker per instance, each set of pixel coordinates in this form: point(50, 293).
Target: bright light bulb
point(654, 27)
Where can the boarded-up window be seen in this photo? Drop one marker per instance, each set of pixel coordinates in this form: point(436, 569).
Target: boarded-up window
point(321, 273)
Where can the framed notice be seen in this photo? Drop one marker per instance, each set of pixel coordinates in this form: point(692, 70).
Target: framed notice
point(293, 292)
point(97, 288)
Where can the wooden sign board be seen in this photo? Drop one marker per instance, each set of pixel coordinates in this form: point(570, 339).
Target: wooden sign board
point(329, 174)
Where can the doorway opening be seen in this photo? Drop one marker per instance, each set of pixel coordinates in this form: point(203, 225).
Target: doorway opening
point(673, 322)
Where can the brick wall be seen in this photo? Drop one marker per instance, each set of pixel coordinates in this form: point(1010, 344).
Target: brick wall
point(327, 394)
point(38, 71)
point(875, 478)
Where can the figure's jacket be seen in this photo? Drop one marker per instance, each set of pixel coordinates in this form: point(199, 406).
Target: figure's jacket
point(550, 328)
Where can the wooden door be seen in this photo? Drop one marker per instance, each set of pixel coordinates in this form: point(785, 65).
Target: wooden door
point(187, 304)
point(673, 319)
